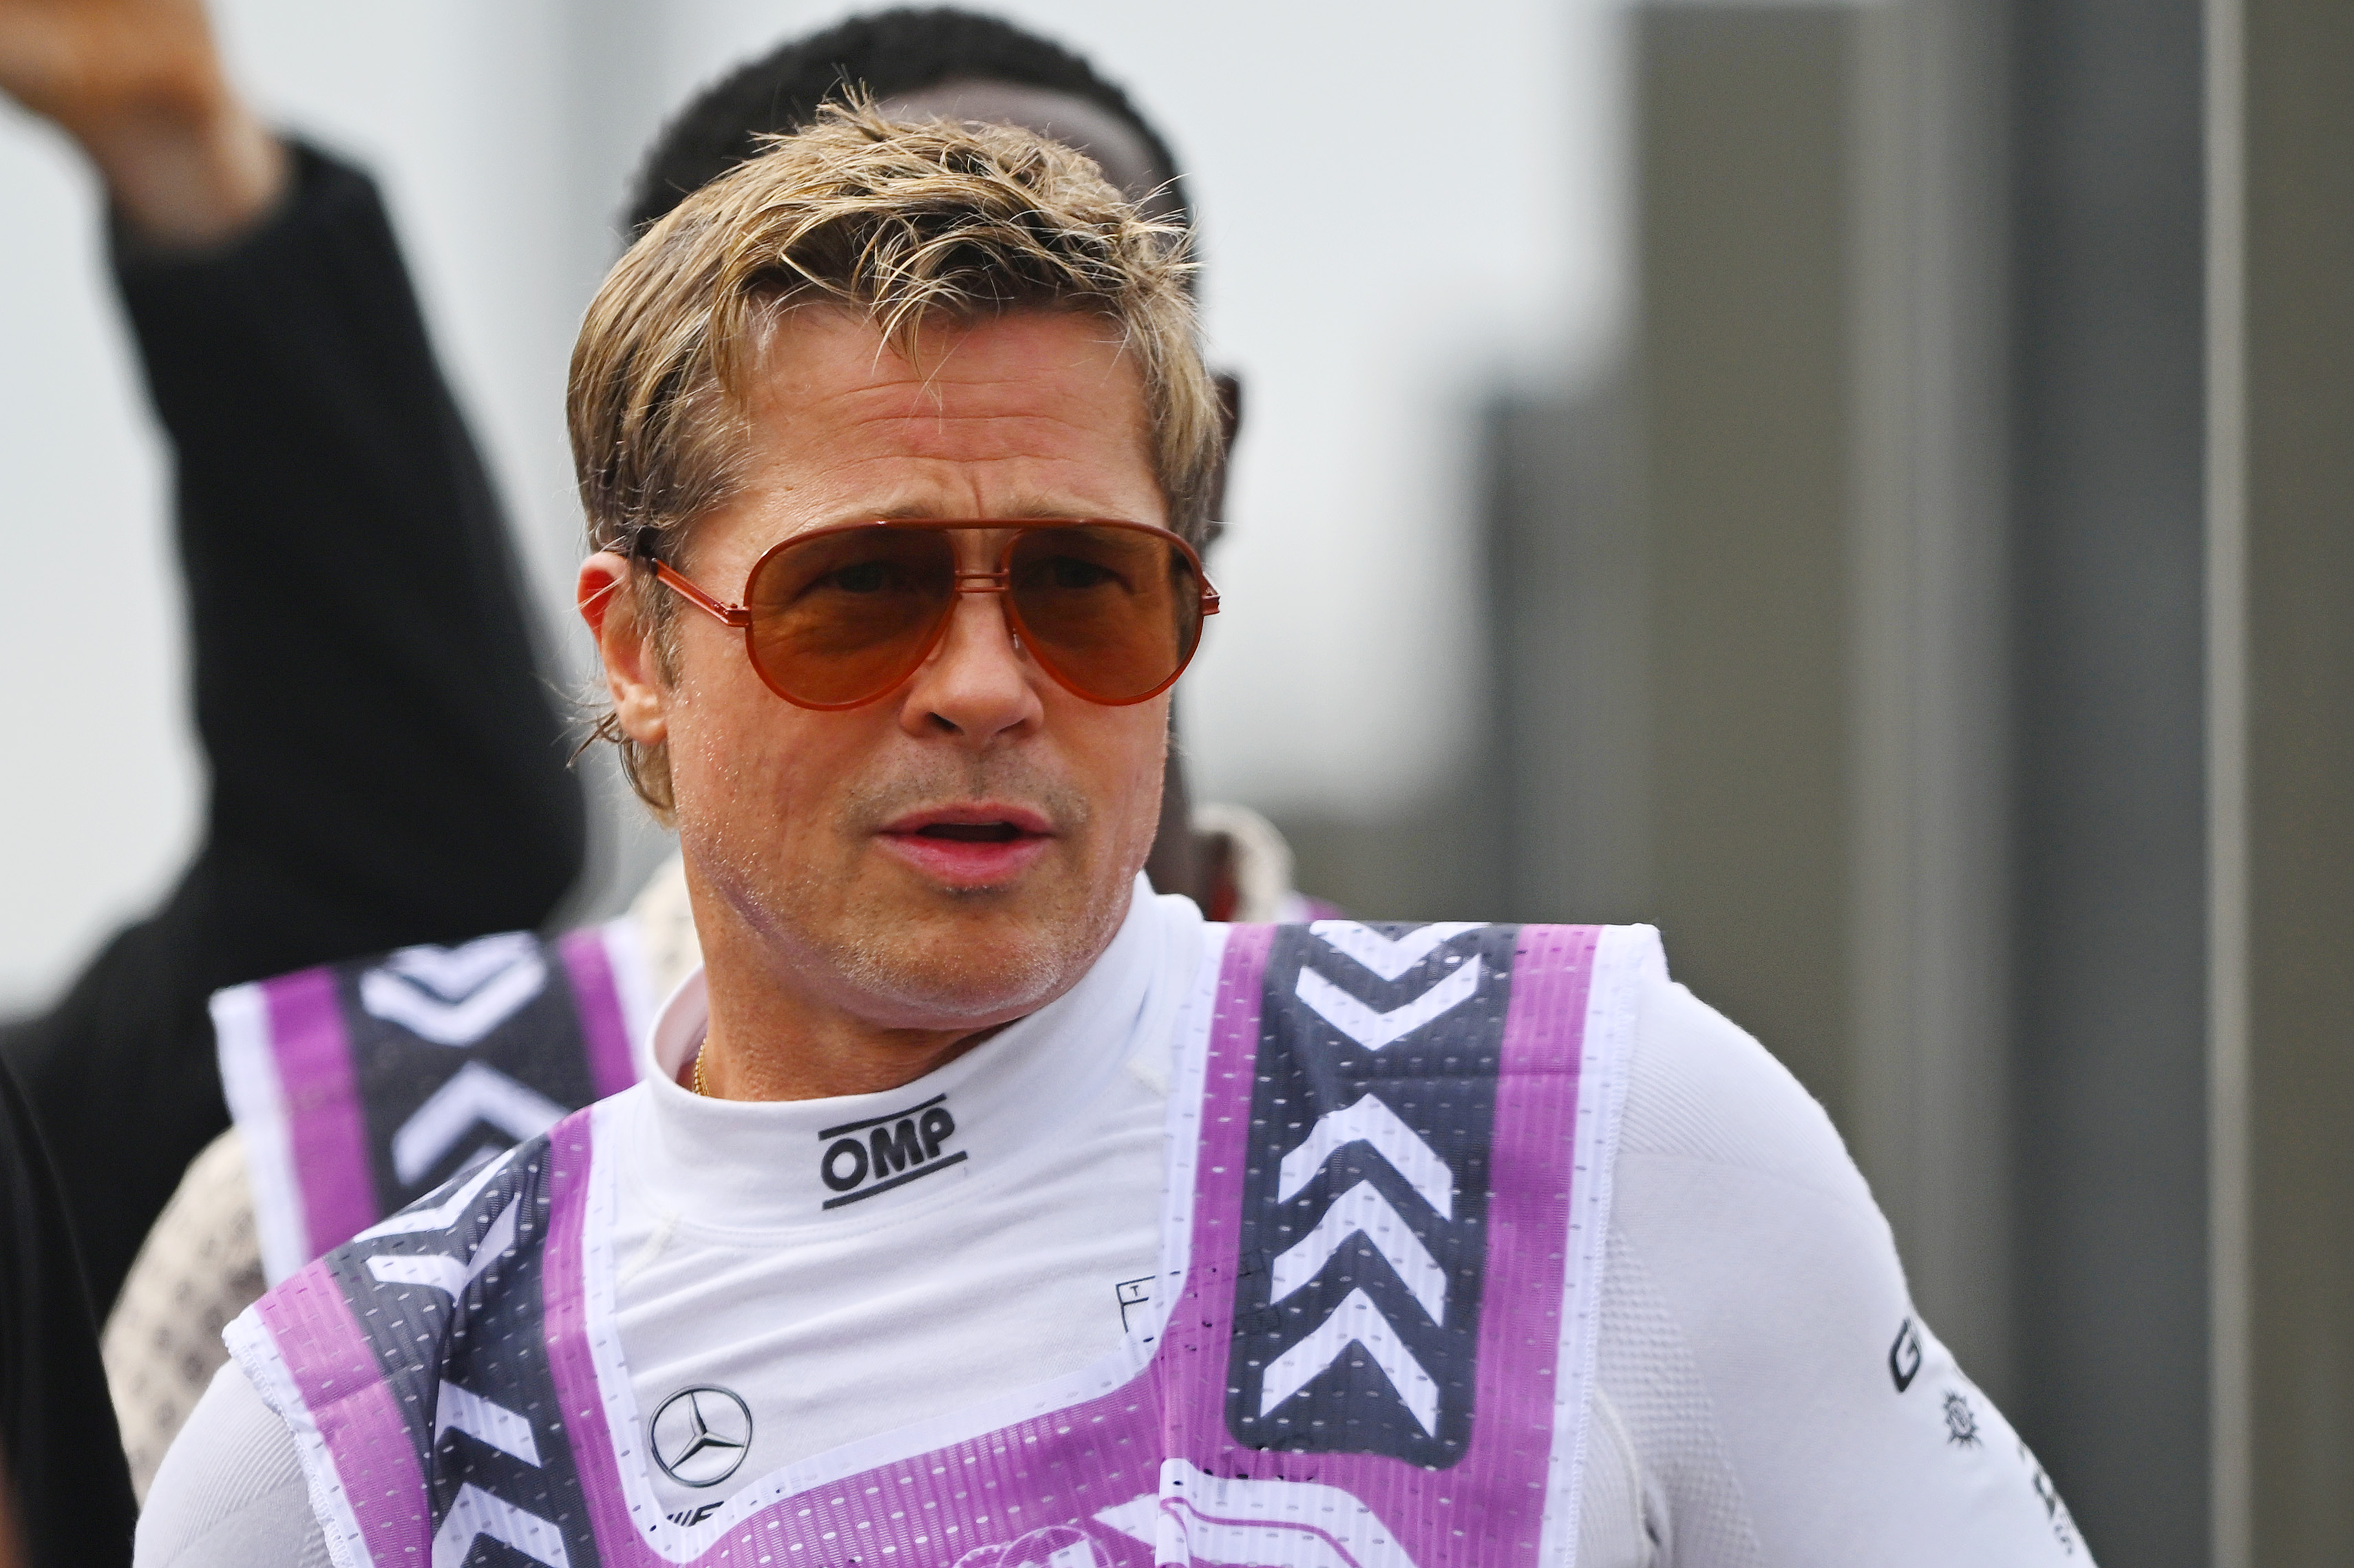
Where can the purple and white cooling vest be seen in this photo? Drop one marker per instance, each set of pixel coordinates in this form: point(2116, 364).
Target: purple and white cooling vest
point(1389, 1164)
point(359, 1087)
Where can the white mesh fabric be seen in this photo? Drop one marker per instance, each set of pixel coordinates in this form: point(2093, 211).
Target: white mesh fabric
point(1612, 1529)
point(1695, 1509)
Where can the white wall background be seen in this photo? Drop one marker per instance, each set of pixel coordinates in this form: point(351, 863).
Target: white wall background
point(1402, 203)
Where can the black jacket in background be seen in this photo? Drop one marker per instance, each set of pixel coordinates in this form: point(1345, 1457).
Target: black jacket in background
point(58, 1444)
point(387, 765)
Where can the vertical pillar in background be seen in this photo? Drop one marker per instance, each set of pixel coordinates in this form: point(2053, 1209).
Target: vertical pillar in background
point(1930, 623)
point(1745, 216)
point(1820, 482)
point(2280, 430)
point(1564, 627)
point(2110, 792)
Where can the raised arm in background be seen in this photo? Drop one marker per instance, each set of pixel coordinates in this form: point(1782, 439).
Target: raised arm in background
point(388, 765)
point(65, 1495)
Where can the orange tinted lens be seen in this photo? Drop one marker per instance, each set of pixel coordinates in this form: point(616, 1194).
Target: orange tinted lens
point(842, 618)
point(1113, 612)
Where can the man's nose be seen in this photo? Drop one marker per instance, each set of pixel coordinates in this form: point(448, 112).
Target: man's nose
point(978, 684)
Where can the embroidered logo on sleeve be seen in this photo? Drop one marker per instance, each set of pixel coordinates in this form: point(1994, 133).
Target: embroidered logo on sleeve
point(1904, 1356)
point(860, 1159)
point(1961, 1420)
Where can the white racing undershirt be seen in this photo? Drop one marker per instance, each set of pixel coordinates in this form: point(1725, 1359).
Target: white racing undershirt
point(1748, 1411)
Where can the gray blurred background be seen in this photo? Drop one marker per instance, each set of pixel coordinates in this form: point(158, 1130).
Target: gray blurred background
point(1861, 485)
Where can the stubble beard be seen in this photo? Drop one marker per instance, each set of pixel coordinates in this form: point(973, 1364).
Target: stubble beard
point(959, 956)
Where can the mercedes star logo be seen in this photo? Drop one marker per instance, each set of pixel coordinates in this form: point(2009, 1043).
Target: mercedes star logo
point(701, 1435)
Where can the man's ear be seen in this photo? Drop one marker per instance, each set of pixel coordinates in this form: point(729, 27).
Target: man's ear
point(1230, 417)
point(608, 603)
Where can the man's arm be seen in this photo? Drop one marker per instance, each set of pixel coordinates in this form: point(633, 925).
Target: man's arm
point(1786, 1403)
point(139, 86)
point(386, 765)
point(231, 1491)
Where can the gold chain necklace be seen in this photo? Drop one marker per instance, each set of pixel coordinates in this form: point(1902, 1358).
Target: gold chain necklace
point(700, 1086)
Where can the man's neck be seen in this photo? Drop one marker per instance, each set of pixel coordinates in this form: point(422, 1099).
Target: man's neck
point(778, 1032)
point(771, 1041)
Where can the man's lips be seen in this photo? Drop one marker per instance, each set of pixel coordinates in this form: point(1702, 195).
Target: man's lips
point(970, 845)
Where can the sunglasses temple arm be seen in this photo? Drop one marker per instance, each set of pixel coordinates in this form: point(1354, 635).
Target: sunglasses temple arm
point(725, 614)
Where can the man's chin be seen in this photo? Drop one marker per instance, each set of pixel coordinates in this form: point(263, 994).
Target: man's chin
point(935, 957)
point(905, 985)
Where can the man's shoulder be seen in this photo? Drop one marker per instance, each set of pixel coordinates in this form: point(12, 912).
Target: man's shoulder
point(231, 1491)
point(1702, 1087)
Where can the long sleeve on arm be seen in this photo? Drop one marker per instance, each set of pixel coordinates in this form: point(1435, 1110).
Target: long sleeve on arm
point(388, 765)
point(1787, 1408)
point(231, 1491)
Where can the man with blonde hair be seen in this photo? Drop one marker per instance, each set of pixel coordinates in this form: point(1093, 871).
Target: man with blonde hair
point(986, 1209)
point(439, 1058)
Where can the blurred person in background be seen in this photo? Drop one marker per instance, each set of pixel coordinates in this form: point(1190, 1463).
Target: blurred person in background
point(385, 763)
point(985, 1207)
point(248, 1206)
point(65, 1496)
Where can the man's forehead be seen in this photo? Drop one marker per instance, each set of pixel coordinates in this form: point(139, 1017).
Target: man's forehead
point(1040, 391)
point(1075, 122)
point(825, 350)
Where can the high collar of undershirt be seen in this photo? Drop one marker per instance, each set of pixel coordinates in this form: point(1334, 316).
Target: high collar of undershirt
point(772, 1164)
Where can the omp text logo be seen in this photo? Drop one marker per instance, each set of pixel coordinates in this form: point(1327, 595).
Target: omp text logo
point(864, 1158)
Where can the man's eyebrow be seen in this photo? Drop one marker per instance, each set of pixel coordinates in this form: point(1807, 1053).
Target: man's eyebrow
point(1024, 507)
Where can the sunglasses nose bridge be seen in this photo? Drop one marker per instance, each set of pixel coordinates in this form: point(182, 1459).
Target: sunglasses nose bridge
point(944, 633)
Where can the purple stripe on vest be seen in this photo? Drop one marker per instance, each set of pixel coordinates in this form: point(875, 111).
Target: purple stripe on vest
point(565, 1300)
point(1528, 1216)
point(326, 1131)
point(335, 1371)
point(604, 1021)
point(1203, 1320)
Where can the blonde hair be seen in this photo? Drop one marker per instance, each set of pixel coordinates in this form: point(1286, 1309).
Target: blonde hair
point(907, 224)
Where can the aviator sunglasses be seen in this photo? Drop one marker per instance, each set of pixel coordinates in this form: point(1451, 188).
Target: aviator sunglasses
point(838, 616)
